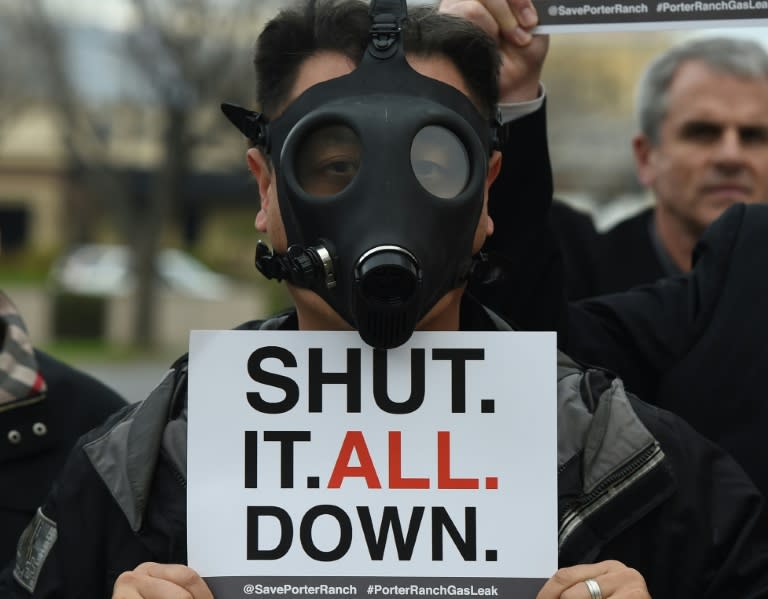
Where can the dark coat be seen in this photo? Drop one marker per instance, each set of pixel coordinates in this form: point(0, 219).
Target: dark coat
point(74, 404)
point(696, 344)
point(600, 263)
point(522, 277)
point(659, 517)
point(544, 252)
point(693, 344)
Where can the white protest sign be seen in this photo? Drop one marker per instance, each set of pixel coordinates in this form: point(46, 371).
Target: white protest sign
point(623, 15)
point(318, 466)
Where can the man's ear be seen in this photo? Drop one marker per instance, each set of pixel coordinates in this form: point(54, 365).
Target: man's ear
point(264, 175)
point(643, 150)
point(494, 168)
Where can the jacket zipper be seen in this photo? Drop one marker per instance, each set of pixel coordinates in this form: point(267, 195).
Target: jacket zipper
point(177, 475)
point(628, 475)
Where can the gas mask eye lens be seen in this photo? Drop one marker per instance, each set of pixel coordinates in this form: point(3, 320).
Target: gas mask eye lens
point(440, 161)
point(327, 160)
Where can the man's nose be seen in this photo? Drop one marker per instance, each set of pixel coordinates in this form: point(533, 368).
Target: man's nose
point(730, 150)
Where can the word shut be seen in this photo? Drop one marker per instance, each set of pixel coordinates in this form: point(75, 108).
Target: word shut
point(351, 378)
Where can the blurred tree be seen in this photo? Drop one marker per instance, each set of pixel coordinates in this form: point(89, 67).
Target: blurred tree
point(189, 55)
point(79, 128)
point(12, 99)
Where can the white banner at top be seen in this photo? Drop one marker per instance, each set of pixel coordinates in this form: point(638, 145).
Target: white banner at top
point(622, 15)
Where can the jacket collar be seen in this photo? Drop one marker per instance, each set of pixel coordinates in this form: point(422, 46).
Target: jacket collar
point(611, 469)
point(125, 456)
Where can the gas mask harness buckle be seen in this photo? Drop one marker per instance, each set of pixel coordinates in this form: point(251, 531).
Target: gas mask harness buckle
point(387, 17)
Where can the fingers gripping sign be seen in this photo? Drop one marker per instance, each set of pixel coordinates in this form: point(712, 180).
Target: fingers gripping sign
point(604, 580)
point(509, 23)
point(160, 581)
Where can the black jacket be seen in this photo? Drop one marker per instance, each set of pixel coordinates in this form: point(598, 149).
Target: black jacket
point(49, 429)
point(664, 500)
point(693, 344)
point(696, 344)
point(600, 263)
point(522, 276)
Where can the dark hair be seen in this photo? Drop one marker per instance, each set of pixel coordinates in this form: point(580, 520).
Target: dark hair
point(343, 26)
point(746, 59)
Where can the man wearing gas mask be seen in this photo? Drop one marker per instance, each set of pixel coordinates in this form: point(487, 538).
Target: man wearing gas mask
point(373, 154)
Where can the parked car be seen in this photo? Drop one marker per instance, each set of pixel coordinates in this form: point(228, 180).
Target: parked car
point(105, 270)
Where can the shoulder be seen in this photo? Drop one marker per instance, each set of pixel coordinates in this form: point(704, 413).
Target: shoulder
point(572, 224)
point(118, 457)
point(740, 230)
point(58, 550)
point(707, 476)
point(635, 226)
point(77, 389)
point(565, 214)
point(286, 320)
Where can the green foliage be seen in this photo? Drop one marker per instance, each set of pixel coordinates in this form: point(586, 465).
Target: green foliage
point(25, 267)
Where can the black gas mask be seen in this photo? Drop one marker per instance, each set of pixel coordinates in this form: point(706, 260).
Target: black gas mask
point(380, 180)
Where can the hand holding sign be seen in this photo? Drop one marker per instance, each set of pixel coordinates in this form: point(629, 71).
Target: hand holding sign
point(508, 22)
point(607, 580)
point(160, 581)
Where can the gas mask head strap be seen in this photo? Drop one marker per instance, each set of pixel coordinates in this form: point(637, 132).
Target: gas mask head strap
point(313, 267)
point(254, 125)
point(387, 18)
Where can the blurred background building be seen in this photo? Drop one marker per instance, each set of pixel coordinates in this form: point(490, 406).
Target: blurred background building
point(110, 133)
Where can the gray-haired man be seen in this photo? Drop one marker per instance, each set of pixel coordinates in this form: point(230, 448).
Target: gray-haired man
point(702, 146)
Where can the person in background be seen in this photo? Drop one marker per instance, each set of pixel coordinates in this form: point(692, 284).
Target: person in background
point(45, 406)
point(702, 146)
point(693, 344)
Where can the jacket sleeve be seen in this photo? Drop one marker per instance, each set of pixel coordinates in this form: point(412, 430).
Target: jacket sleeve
point(88, 400)
point(641, 334)
point(66, 548)
point(715, 527)
point(523, 278)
